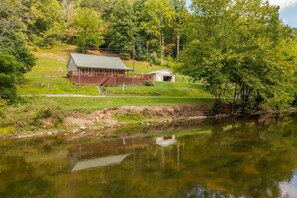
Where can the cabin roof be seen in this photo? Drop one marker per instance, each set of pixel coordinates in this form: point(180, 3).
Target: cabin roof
point(163, 71)
point(99, 162)
point(98, 62)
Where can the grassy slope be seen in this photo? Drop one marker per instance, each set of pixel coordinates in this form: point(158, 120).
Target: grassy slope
point(180, 88)
point(45, 74)
point(100, 103)
point(45, 78)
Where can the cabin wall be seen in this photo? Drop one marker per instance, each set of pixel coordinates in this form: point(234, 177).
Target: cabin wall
point(72, 66)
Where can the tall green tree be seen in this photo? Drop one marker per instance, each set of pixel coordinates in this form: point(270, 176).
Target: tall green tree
point(8, 71)
point(45, 27)
point(12, 33)
point(241, 52)
point(158, 15)
point(181, 17)
point(88, 24)
point(68, 10)
point(122, 31)
point(15, 57)
point(104, 7)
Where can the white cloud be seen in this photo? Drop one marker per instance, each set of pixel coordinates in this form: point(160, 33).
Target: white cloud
point(283, 3)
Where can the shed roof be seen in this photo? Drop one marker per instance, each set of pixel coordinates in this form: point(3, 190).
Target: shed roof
point(163, 71)
point(99, 62)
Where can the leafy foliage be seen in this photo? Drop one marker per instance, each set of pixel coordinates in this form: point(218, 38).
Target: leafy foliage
point(8, 68)
point(88, 25)
point(15, 58)
point(121, 32)
point(242, 53)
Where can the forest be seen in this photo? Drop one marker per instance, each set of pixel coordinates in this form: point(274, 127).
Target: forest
point(239, 49)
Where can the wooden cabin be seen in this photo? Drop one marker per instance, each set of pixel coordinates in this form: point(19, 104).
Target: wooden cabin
point(86, 69)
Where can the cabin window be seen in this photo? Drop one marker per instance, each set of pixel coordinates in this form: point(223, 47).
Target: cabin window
point(86, 71)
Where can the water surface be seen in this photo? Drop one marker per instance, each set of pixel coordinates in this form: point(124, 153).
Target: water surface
point(229, 158)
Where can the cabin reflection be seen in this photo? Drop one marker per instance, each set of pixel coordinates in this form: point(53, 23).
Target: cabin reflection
point(114, 152)
point(99, 162)
point(105, 153)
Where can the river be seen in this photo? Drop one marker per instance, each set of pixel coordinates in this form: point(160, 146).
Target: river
point(255, 157)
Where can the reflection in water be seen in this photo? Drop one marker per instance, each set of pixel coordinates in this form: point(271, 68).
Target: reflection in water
point(289, 189)
point(200, 191)
point(99, 162)
point(246, 158)
point(161, 141)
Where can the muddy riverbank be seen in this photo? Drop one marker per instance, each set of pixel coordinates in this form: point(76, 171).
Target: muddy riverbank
point(111, 121)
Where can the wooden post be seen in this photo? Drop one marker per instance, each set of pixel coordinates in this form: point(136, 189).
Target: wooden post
point(79, 76)
point(133, 64)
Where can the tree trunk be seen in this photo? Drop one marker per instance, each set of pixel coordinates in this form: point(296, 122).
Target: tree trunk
point(162, 46)
point(177, 44)
point(147, 53)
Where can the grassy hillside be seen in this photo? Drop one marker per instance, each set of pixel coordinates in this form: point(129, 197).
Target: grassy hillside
point(182, 88)
point(48, 77)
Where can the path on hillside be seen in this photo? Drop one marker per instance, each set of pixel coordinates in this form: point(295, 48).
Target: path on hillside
point(90, 96)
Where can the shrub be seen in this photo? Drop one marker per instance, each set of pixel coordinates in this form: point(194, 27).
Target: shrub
point(149, 83)
point(216, 108)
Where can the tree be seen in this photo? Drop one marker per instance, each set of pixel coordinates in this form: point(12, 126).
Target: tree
point(122, 30)
point(12, 37)
point(15, 57)
point(8, 69)
point(158, 15)
point(68, 14)
point(105, 7)
point(241, 52)
point(180, 19)
point(88, 24)
point(45, 23)
point(10, 17)
point(15, 44)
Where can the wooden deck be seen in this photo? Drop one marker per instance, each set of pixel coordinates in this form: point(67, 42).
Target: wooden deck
point(108, 79)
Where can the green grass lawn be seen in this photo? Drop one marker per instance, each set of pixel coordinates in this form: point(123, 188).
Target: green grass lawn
point(45, 78)
point(48, 77)
point(82, 103)
point(180, 88)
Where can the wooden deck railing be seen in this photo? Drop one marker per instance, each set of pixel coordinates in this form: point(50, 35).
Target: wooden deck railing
point(108, 79)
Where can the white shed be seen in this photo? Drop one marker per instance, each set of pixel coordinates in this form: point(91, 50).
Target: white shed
point(164, 75)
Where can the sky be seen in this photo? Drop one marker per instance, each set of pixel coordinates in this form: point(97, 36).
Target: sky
point(288, 10)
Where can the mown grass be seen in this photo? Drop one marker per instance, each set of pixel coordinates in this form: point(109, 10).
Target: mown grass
point(82, 103)
point(180, 88)
point(48, 77)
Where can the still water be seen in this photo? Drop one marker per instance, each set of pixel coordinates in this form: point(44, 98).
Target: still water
point(229, 158)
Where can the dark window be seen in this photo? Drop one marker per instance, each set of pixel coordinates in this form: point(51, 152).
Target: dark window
point(167, 78)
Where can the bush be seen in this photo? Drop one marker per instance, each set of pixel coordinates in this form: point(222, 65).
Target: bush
point(154, 59)
point(149, 83)
point(216, 108)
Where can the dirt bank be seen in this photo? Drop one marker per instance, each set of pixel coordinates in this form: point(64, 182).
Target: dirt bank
point(113, 117)
point(111, 121)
